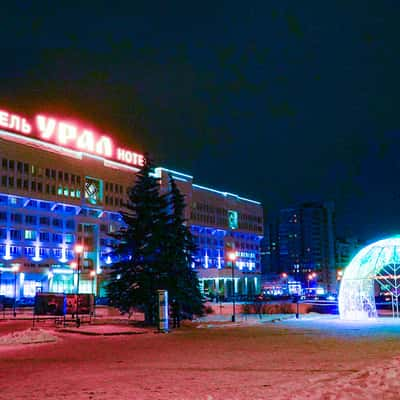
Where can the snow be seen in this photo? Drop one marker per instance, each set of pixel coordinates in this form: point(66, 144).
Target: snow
point(276, 357)
point(29, 336)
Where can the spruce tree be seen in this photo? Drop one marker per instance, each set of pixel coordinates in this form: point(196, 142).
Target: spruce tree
point(140, 270)
point(183, 284)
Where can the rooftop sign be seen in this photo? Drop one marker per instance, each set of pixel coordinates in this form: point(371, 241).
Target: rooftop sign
point(69, 134)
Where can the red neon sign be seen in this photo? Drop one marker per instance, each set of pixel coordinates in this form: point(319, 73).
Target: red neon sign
point(71, 135)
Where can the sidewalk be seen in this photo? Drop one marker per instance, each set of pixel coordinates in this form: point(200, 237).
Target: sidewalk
point(105, 330)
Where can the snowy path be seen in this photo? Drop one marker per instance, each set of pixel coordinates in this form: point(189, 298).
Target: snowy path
point(314, 358)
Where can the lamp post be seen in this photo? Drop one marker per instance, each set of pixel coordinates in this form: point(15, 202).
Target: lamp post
point(79, 252)
point(93, 276)
point(285, 282)
point(232, 258)
point(296, 272)
point(15, 269)
point(310, 278)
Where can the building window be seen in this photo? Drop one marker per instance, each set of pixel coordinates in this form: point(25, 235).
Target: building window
point(29, 251)
point(70, 224)
point(57, 222)
point(17, 218)
point(15, 235)
point(15, 250)
point(30, 235)
point(30, 219)
point(44, 236)
point(57, 238)
point(69, 238)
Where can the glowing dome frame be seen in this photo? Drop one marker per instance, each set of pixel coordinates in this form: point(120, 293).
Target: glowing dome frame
point(379, 261)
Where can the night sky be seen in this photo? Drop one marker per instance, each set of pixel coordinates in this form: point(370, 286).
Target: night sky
point(280, 101)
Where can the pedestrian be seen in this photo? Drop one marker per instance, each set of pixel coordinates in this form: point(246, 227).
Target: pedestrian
point(175, 312)
point(259, 306)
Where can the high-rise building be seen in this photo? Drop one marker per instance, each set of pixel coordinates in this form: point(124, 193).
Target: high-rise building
point(62, 185)
point(307, 243)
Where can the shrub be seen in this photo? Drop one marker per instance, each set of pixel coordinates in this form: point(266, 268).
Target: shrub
point(208, 310)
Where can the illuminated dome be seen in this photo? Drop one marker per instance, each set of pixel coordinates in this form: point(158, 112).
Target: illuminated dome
point(378, 262)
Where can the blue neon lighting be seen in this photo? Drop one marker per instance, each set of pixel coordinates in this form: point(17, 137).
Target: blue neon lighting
point(226, 194)
point(171, 171)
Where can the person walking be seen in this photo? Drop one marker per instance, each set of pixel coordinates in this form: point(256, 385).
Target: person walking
point(259, 306)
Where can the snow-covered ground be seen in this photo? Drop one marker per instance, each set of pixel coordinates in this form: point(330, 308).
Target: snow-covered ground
point(277, 357)
point(29, 336)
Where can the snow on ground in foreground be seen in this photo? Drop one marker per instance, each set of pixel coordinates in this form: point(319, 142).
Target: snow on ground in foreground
point(167, 372)
point(378, 381)
point(381, 381)
point(29, 336)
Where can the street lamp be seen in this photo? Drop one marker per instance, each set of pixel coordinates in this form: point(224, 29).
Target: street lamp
point(79, 252)
point(232, 258)
point(15, 269)
point(284, 276)
point(310, 278)
point(308, 282)
point(93, 276)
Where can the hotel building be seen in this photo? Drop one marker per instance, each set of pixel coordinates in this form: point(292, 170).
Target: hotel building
point(62, 185)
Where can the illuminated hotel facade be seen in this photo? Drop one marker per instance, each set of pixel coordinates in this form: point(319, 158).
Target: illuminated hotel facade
point(63, 185)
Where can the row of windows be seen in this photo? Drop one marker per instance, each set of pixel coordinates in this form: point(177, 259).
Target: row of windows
point(207, 208)
point(109, 200)
point(114, 187)
point(63, 177)
point(33, 220)
point(39, 187)
point(10, 182)
point(25, 168)
point(31, 251)
point(210, 219)
point(28, 234)
point(214, 242)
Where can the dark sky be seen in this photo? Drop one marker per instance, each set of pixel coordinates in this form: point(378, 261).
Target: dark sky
point(279, 101)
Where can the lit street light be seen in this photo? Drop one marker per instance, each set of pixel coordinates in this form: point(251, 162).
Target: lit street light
point(232, 258)
point(79, 252)
point(93, 276)
point(15, 269)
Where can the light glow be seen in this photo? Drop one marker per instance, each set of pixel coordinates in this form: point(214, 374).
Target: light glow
point(357, 294)
point(69, 134)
